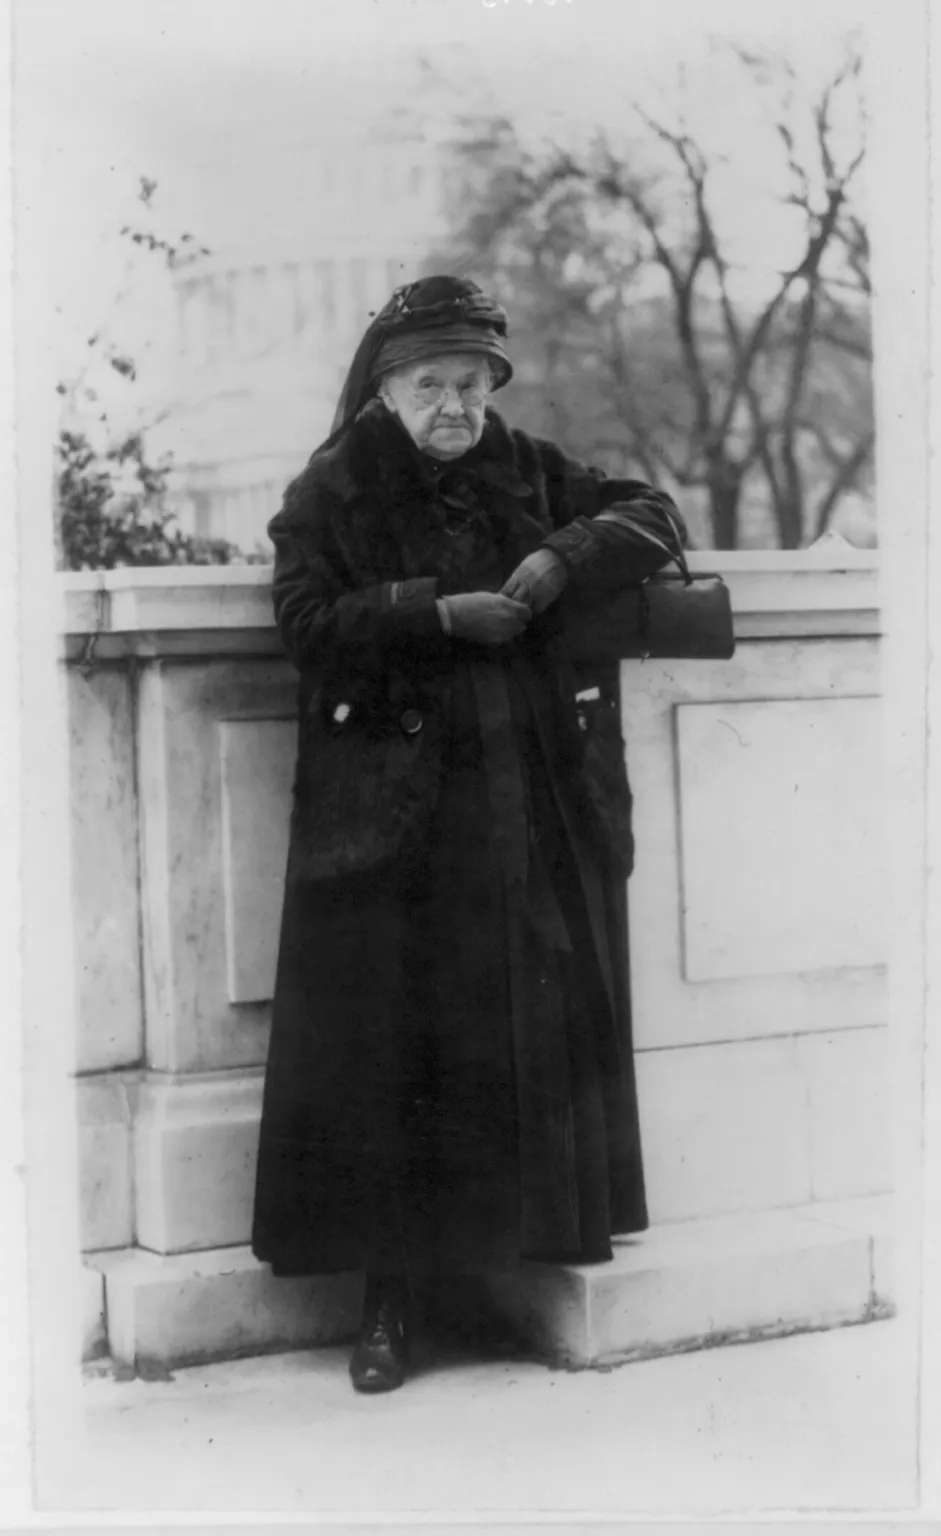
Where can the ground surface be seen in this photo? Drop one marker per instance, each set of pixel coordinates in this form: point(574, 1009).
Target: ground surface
point(820, 1421)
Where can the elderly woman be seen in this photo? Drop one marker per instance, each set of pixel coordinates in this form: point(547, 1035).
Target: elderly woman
point(450, 1087)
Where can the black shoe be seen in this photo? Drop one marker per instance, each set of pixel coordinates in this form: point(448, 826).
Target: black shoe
point(381, 1354)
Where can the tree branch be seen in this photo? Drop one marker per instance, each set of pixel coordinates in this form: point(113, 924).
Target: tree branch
point(682, 283)
point(816, 429)
point(647, 444)
point(844, 479)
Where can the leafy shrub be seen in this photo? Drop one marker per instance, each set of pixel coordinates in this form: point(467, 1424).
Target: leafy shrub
point(112, 510)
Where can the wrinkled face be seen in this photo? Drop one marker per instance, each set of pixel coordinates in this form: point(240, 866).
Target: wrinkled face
point(441, 401)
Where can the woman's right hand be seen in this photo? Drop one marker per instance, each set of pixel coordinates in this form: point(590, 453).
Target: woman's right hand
point(488, 618)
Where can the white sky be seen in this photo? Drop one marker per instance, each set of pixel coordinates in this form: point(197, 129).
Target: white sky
point(209, 96)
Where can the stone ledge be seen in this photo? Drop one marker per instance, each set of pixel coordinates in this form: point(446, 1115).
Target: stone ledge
point(686, 1285)
point(689, 1285)
point(192, 610)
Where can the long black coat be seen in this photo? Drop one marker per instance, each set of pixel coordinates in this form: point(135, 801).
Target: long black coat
point(450, 1084)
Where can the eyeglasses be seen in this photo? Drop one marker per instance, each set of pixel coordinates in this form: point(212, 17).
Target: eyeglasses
point(433, 392)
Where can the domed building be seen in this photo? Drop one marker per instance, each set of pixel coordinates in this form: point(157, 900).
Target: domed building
point(266, 330)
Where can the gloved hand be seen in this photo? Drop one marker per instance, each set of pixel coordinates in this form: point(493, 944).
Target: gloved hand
point(489, 618)
point(537, 580)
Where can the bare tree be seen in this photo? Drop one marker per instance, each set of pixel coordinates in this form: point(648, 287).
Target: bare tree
point(629, 293)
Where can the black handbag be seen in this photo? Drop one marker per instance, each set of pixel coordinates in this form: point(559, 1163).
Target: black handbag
point(366, 786)
point(669, 615)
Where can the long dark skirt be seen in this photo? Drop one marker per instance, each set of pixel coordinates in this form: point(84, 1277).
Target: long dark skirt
point(447, 1091)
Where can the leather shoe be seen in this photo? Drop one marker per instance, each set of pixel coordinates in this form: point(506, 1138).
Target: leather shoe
point(381, 1354)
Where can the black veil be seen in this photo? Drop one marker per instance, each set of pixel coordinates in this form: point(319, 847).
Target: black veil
point(421, 318)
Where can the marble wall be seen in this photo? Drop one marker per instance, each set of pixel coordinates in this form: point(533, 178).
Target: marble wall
point(755, 912)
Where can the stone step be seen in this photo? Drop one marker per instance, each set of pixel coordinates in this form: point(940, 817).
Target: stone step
point(680, 1286)
point(219, 1304)
point(695, 1284)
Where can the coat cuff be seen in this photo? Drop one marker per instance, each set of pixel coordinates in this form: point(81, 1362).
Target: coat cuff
point(412, 607)
point(578, 548)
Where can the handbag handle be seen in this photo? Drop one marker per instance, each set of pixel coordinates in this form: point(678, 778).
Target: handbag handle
point(677, 557)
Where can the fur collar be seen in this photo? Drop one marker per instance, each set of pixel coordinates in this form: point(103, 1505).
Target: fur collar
point(375, 454)
point(381, 498)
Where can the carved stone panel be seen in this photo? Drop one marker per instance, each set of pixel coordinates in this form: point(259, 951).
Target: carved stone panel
point(780, 830)
point(205, 1007)
point(755, 904)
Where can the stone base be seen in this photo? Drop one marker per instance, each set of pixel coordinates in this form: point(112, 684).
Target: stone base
point(94, 1329)
point(182, 1309)
point(682, 1286)
point(694, 1284)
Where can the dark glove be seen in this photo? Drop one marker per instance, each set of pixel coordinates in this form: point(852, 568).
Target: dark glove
point(489, 618)
point(537, 580)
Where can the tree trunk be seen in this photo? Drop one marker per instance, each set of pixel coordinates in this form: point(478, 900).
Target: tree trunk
point(788, 517)
point(789, 502)
point(725, 489)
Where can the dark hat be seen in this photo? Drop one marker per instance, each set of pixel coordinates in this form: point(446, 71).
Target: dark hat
point(424, 319)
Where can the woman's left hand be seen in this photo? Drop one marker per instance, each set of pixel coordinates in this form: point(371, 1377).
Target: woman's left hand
point(537, 580)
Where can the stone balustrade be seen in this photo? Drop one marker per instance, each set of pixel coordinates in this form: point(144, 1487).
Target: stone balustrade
point(757, 968)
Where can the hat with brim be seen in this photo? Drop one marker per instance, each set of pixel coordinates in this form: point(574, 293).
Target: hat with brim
point(417, 346)
point(434, 316)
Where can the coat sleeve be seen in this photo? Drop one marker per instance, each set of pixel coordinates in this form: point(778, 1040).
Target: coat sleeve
point(608, 531)
point(325, 619)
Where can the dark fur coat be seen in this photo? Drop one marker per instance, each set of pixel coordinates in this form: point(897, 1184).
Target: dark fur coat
point(450, 1083)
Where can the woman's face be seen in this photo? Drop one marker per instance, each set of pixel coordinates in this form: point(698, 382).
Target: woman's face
point(441, 402)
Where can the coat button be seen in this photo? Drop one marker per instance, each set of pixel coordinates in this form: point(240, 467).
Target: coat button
point(411, 722)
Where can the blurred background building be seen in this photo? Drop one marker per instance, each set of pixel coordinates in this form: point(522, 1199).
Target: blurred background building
point(677, 229)
point(266, 333)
